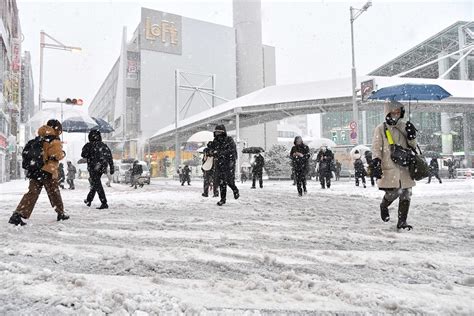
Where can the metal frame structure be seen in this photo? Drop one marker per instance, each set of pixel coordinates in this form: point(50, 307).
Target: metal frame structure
point(43, 45)
point(197, 89)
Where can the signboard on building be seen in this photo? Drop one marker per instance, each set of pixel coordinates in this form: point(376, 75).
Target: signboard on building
point(161, 32)
point(366, 89)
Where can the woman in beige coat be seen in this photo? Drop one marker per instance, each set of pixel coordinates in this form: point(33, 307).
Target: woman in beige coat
point(392, 178)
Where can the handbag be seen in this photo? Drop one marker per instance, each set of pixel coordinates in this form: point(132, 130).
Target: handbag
point(419, 169)
point(401, 156)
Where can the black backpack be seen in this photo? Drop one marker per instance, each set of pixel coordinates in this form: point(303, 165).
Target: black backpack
point(33, 157)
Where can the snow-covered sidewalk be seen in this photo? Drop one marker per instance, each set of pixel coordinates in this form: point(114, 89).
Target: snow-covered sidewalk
point(165, 249)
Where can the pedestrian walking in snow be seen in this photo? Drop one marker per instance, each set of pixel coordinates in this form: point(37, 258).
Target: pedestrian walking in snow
point(370, 167)
point(225, 151)
point(392, 156)
point(325, 159)
point(338, 170)
point(359, 169)
point(98, 157)
point(257, 170)
point(41, 157)
point(434, 170)
point(451, 168)
point(71, 175)
point(61, 175)
point(186, 175)
point(180, 174)
point(135, 173)
point(300, 155)
point(208, 169)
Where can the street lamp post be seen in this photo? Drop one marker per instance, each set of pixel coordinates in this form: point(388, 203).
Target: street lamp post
point(355, 13)
point(43, 45)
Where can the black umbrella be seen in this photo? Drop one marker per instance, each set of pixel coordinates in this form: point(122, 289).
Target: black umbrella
point(82, 160)
point(103, 126)
point(253, 150)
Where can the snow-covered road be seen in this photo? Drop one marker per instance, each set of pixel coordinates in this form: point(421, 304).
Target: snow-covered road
point(164, 248)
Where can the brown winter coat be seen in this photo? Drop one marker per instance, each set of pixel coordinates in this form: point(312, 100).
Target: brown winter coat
point(394, 176)
point(52, 150)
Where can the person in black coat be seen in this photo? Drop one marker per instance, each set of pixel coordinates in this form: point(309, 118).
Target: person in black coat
point(434, 170)
point(135, 173)
point(359, 169)
point(325, 159)
point(225, 152)
point(62, 176)
point(98, 157)
point(257, 170)
point(186, 175)
point(300, 155)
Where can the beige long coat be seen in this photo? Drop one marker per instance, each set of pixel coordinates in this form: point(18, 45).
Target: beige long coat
point(394, 176)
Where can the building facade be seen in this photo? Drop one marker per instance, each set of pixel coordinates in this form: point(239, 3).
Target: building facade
point(10, 86)
point(169, 58)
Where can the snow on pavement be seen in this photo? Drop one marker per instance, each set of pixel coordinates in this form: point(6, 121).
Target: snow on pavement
point(164, 249)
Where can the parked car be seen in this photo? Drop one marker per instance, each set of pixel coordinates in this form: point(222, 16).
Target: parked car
point(145, 174)
point(120, 169)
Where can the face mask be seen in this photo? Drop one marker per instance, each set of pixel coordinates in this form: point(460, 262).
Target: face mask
point(392, 119)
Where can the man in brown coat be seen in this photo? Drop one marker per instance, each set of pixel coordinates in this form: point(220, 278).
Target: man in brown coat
point(394, 179)
point(47, 176)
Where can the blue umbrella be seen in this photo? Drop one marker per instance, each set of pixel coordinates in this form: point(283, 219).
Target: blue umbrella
point(103, 126)
point(409, 91)
point(78, 125)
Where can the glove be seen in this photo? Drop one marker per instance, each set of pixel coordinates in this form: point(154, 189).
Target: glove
point(411, 130)
point(377, 168)
point(112, 171)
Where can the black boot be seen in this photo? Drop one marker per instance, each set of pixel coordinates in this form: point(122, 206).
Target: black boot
point(103, 206)
point(403, 208)
point(236, 195)
point(221, 202)
point(205, 195)
point(16, 219)
point(88, 203)
point(62, 217)
point(384, 214)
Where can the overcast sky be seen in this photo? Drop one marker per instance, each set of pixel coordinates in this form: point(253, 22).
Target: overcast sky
point(312, 38)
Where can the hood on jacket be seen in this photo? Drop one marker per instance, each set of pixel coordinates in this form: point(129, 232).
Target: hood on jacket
point(392, 105)
point(220, 130)
point(45, 131)
point(296, 138)
point(94, 136)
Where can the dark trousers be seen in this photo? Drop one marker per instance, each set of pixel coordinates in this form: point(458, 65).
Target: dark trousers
point(27, 203)
point(96, 186)
point(300, 177)
point(325, 180)
point(434, 174)
point(257, 175)
point(208, 181)
point(357, 180)
point(186, 178)
point(226, 178)
point(71, 183)
point(338, 176)
point(372, 180)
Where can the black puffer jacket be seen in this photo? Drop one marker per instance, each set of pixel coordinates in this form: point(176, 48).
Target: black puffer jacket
point(359, 168)
point(224, 149)
point(97, 154)
point(300, 163)
point(258, 164)
point(325, 160)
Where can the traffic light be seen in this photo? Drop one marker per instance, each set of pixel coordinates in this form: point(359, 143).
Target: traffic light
point(74, 101)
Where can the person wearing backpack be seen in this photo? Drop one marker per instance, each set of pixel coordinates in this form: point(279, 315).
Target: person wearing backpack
point(98, 156)
point(392, 139)
point(41, 157)
point(71, 175)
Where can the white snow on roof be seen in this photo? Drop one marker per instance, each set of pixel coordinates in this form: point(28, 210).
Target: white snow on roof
point(318, 90)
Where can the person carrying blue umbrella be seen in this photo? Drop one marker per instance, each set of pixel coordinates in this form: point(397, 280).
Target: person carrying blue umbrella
point(391, 157)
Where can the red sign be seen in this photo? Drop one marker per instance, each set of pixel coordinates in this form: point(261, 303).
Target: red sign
point(3, 142)
point(353, 125)
point(16, 62)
